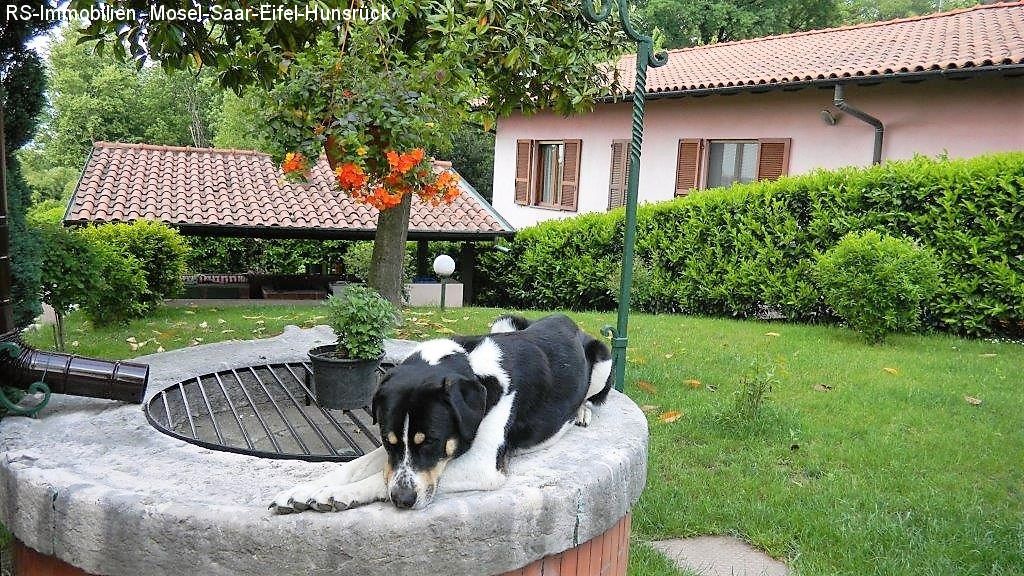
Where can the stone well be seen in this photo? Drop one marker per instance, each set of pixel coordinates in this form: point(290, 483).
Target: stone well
point(91, 488)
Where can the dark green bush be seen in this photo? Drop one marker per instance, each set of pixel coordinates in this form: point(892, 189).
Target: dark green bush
point(877, 283)
point(122, 292)
point(25, 249)
point(264, 256)
point(70, 267)
point(159, 250)
point(751, 249)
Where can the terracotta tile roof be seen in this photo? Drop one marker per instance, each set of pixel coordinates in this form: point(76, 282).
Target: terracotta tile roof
point(986, 36)
point(203, 187)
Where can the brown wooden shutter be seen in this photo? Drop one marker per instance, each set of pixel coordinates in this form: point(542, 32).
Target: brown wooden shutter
point(773, 159)
point(524, 171)
point(571, 174)
point(619, 178)
point(688, 161)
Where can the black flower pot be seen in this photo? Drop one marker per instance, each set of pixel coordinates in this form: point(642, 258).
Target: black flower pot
point(343, 383)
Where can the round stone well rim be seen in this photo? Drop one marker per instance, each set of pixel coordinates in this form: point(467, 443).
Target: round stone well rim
point(80, 502)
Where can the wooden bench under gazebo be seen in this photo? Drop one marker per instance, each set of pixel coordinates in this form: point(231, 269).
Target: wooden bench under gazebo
point(243, 194)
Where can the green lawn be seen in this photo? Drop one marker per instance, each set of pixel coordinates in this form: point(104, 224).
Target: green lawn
point(862, 460)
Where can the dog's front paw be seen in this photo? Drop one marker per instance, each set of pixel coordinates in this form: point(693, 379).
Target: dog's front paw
point(329, 497)
point(294, 499)
point(584, 415)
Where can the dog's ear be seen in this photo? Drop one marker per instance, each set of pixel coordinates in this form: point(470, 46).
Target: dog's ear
point(375, 403)
point(468, 398)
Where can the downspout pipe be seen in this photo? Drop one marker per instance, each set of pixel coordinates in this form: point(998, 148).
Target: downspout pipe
point(21, 366)
point(839, 101)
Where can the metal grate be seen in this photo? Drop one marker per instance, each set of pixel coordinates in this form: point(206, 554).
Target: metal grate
point(268, 410)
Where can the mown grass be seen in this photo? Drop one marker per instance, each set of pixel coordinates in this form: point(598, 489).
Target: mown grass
point(862, 460)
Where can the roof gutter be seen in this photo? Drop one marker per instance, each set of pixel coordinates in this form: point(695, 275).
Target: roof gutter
point(839, 101)
point(949, 73)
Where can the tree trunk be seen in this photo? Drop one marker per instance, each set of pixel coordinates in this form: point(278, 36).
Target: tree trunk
point(387, 266)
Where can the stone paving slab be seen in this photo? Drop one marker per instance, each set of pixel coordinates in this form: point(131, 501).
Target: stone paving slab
point(720, 556)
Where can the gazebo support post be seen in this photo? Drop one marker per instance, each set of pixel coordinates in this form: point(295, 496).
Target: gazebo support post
point(422, 252)
point(467, 264)
point(645, 57)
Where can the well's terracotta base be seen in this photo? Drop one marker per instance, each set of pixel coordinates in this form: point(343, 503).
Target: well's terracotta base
point(605, 555)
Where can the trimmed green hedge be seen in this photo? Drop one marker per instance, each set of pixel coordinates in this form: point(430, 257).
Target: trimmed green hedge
point(751, 249)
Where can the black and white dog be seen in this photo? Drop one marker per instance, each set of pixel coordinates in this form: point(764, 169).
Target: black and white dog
point(453, 411)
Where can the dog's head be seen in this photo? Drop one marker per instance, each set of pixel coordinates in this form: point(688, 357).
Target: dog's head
point(427, 416)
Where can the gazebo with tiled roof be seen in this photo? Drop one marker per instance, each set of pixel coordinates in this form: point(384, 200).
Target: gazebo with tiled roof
point(242, 193)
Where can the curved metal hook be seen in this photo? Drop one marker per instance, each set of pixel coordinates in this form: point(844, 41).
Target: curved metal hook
point(657, 59)
point(599, 16)
point(627, 25)
point(34, 388)
point(11, 348)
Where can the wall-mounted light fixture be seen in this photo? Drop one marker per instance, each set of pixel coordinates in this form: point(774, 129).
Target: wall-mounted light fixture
point(828, 117)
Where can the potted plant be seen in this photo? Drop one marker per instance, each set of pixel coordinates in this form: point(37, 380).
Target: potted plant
point(345, 373)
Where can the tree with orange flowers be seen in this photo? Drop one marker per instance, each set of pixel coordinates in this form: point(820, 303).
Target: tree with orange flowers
point(379, 92)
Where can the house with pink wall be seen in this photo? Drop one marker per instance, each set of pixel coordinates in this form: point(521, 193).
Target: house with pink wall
point(943, 84)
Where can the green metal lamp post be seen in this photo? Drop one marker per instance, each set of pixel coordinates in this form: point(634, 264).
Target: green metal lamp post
point(645, 57)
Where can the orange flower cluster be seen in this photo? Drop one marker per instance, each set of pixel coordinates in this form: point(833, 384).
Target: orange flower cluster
point(445, 189)
point(350, 176)
point(403, 163)
point(406, 172)
point(294, 162)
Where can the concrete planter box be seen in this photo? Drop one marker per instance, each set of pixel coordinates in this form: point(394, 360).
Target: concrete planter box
point(429, 294)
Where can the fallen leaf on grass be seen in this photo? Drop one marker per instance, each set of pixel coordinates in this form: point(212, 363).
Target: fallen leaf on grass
point(972, 400)
point(988, 355)
point(221, 321)
point(130, 339)
point(693, 383)
point(253, 317)
point(667, 356)
point(670, 416)
point(646, 386)
point(891, 370)
point(775, 334)
point(189, 311)
point(227, 331)
point(74, 344)
point(822, 387)
point(160, 349)
point(649, 408)
point(204, 325)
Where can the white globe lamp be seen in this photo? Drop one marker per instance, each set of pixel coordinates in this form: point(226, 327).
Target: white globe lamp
point(444, 267)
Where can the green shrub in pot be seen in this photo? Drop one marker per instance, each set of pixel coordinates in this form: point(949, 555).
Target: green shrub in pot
point(345, 374)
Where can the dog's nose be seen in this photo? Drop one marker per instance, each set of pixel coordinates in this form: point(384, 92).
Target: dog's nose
point(403, 497)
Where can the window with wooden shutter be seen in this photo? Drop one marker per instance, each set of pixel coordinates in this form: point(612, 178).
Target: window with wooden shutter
point(571, 175)
point(774, 158)
point(524, 171)
point(688, 160)
point(619, 178)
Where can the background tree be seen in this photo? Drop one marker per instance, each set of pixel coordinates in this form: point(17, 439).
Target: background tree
point(697, 22)
point(96, 98)
point(22, 85)
point(512, 54)
point(472, 154)
point(858, 11)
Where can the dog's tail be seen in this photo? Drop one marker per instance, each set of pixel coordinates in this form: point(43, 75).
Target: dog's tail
point(599, 359)
point(509, 323)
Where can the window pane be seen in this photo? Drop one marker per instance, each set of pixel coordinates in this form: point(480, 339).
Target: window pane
point(551, 156)
point(730, 162)
point(748, 164)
